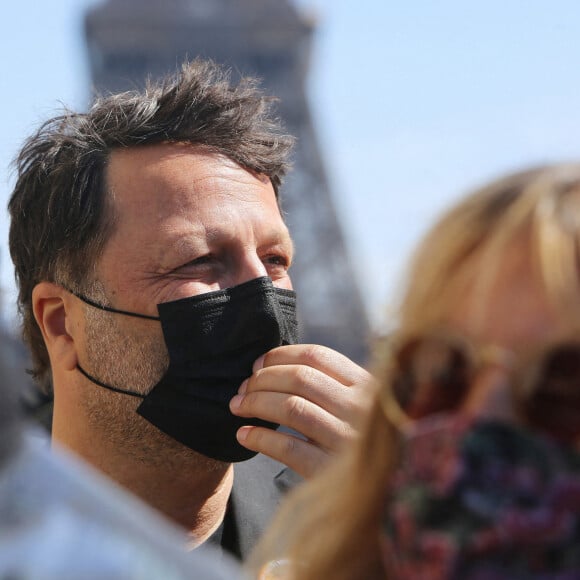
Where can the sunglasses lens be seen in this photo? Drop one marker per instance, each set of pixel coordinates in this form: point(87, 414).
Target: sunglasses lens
point(554, 404)
point(431, 377)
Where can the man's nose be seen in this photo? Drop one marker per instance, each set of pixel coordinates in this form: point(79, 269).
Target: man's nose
point(248, 268)
point(491, 395)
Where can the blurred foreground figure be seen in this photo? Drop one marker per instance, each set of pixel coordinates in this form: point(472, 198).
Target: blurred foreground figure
point(60, 520)
point(468, 467)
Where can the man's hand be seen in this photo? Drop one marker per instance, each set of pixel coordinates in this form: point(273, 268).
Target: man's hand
point(311, 389)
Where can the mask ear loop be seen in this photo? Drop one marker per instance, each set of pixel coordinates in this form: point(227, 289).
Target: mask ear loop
point(114, 310)
point(114, 389)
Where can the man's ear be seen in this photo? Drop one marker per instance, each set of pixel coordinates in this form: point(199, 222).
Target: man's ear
point(52, 306)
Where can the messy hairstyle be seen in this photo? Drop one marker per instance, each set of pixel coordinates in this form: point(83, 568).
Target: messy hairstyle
point(60, 210)
point(330, 527)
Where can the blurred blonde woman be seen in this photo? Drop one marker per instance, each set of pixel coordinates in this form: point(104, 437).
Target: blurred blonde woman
point(468, 466)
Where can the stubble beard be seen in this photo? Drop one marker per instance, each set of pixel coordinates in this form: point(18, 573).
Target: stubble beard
point(131, 355)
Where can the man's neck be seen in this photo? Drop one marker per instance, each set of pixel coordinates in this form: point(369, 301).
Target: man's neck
point(193, 498)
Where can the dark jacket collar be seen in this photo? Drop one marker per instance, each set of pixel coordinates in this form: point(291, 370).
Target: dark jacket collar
point(259, 485)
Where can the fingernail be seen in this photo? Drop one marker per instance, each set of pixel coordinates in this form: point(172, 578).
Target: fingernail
point(242, 434)
point(243, 387)
point(236, 402)
point(258, 364)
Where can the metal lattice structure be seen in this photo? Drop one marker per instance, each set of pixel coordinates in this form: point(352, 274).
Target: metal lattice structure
point(130, 40)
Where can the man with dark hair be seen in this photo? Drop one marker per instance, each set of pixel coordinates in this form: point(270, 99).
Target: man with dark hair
point(152, 262)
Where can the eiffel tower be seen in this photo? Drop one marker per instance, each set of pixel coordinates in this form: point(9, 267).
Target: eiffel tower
point(130, 40)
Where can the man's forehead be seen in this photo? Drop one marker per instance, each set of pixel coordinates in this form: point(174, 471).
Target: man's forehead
point(156, 155)
point(161, 184)
point(173, 165)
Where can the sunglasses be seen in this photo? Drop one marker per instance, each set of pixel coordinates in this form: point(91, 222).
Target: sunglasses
point(432, 373)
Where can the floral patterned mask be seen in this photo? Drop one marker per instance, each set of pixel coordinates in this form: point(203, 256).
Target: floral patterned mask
point(482, 500)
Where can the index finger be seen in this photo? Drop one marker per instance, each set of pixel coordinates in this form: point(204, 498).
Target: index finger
point(324, 359)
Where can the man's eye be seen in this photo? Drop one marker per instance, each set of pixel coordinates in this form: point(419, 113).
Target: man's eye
point(201, 260)
point(277, 260)
point(198, 262)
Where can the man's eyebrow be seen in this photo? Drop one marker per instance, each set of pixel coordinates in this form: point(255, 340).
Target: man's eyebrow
point(190, 242)
point(274, 237)
point(281, 239)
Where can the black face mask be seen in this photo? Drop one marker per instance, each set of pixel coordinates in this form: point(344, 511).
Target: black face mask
point(213, 340)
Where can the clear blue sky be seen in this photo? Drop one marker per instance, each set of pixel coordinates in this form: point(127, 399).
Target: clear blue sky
point(415, 102)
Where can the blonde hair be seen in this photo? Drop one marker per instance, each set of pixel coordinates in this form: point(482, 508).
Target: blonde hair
point(330, 527)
